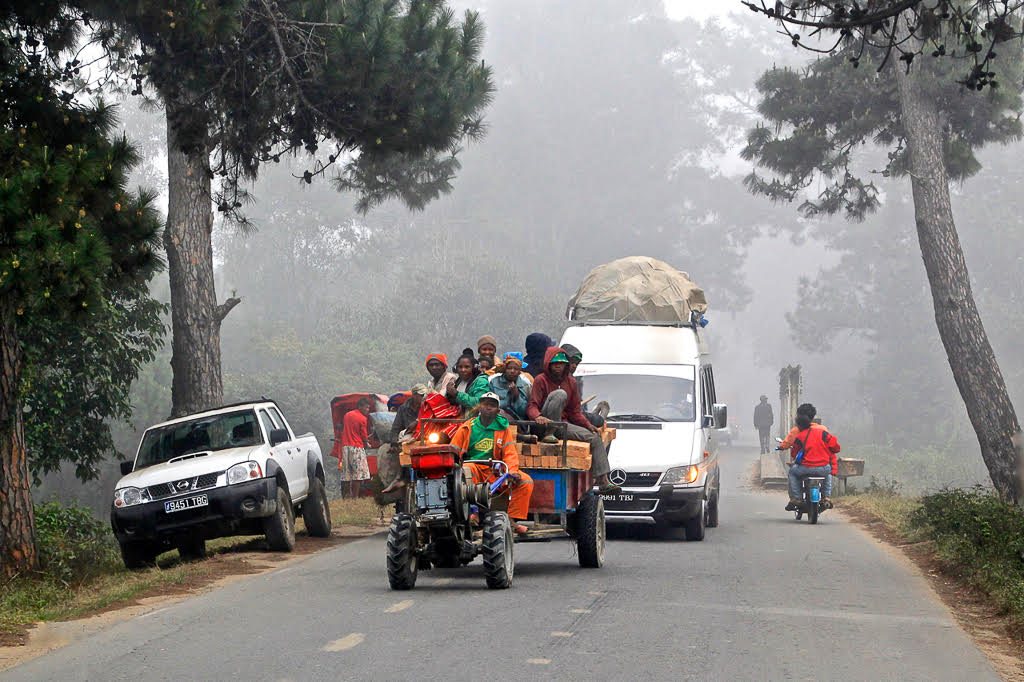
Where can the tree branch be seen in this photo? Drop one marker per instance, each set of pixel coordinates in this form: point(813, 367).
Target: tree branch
point(221, 311)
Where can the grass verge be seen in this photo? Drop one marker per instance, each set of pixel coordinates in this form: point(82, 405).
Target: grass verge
point(66, 589)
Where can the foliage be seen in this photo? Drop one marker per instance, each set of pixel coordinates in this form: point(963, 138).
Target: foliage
point(964, 32)
point(73, 545)
point(821, 118)
point(393, 88)
point(981, 538)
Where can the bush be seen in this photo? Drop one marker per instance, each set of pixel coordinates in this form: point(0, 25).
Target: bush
point(981, 538)
point(72, 544)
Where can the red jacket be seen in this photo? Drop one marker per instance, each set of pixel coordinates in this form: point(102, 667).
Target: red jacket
point(820, 447)
point(544, 384)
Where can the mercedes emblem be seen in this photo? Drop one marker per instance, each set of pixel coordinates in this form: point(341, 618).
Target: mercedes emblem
point(617, 476)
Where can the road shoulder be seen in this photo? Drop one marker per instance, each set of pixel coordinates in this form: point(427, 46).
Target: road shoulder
point(988, 629)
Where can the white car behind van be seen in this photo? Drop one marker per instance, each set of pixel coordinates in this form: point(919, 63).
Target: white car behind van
point(660, 386)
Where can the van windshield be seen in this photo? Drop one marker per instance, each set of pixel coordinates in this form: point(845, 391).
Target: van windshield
point(641, 397)
point(206, 434)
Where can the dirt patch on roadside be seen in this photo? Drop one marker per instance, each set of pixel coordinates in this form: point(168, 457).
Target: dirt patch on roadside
point(224, 566)
point(992, 632)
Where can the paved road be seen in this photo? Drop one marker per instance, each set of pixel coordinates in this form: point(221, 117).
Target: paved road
point(733, 607)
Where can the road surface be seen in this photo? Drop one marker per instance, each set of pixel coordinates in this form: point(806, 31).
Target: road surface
point(762, 598)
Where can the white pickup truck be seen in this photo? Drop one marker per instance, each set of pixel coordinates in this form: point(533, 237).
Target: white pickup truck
point(235, 470)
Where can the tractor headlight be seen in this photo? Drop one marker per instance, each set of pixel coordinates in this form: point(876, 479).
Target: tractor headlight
point(127, 497)
point(682, 475)
point(244, 471)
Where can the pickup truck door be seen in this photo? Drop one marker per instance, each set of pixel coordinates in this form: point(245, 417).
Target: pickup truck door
point(298, 477)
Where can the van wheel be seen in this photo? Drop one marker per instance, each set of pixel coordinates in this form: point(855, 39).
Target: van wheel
point(713, 513)
point(695, 527)
point(280, 526)
point(315, 512)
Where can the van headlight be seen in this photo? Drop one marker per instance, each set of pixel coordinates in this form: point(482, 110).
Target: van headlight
point(682, 475)
point(244, 471)
point(128, 497)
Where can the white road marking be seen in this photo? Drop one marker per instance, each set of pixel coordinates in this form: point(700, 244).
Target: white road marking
point(595, 593)
point(346, 642)
point(883, 618)
point(538, 661)
point(152, 613)
point(400, 606)
point(561, 634)
point(442, 581)
point(580, 611)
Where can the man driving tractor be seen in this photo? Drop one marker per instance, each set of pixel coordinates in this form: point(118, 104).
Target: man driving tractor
point(488, 436)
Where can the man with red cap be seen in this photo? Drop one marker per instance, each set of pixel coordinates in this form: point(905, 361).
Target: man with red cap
point(440, 377)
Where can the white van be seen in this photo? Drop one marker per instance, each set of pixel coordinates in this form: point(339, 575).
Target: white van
point(660, 385)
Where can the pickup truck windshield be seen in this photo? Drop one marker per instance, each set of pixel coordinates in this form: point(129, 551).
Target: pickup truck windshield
point(205, 434)
point(641, 397)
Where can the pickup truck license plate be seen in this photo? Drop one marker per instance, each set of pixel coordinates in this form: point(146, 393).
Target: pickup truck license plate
point(186, 503)
point(617, 498)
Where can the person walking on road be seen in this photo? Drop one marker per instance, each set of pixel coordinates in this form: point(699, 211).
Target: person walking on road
point(353, 467)
point(763, 420)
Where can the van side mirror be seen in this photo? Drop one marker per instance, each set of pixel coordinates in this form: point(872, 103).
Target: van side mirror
point(721, 414)
point(278, 436)
point(127, 467)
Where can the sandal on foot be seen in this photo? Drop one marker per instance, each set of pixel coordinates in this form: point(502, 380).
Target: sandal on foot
point(609, 488)
point(549, 439)
point(520, 530)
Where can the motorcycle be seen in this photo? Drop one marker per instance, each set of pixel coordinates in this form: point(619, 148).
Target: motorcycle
point(813, 502)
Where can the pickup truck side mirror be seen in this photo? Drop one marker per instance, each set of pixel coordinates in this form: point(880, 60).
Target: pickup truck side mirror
point(127, 467)
point(278, 436)
point(721, 414)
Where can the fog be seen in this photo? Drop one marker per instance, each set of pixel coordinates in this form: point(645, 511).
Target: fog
point(614, 131)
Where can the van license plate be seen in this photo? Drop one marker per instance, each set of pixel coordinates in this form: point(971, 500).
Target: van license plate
point(186, 503)
point(617, 498)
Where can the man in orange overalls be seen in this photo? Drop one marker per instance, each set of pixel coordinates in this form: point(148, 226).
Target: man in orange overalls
point(488, 436)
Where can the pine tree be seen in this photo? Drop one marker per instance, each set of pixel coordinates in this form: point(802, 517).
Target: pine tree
point(67, 224)
point(821, 120)
point(389, 89)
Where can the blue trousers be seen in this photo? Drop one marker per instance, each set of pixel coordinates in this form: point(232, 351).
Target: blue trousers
point(797, 472)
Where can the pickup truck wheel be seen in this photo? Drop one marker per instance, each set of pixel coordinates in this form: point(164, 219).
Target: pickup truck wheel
point(191, 549)
point(316, 514)
point(499, 561)
point(695, 526)
point(590, 532)
point(138, 555)
point(280, 526)
point(402, 561)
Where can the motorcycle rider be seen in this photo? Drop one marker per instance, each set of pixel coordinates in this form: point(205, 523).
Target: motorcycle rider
point(813, 453)
point(488, 436)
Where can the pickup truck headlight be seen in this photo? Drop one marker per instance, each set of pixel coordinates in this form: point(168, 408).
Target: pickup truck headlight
point(244, 471)
point(682, 475)
point(128, 497)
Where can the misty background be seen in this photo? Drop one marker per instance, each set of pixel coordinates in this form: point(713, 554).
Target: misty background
point(614, 131)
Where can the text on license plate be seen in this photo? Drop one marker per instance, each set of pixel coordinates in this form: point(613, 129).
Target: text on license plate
point(186, 503)
point(617, 498)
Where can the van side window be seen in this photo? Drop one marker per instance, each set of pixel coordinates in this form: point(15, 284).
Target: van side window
point(705, 397)
point(712, 396)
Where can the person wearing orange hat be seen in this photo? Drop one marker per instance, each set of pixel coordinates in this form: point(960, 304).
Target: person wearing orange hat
point(440, 377)
point(488, 436)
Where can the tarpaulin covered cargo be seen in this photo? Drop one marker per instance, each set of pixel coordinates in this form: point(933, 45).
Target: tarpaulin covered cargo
point(637, 289)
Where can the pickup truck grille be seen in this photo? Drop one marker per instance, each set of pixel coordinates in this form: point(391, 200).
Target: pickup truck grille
point(183, 486)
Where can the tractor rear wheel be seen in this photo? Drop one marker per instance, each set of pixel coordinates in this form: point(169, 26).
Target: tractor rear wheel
point(402, 563)
point(499, 562)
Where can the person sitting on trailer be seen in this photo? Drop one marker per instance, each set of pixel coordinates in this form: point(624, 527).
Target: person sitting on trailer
point(512, 387)
point(489, 436)
point(536, 344)
point(403, 427)
point(486, 364)
point(440, 377)
point(487, 347)
point(600, 413)
point(556, 397)
point(470, 385)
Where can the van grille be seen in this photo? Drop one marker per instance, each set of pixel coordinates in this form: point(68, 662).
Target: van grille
point(642, 479)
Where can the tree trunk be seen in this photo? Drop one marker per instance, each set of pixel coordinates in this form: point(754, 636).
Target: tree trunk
point(195, 315)
point(17, 518)
point(963, 335)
